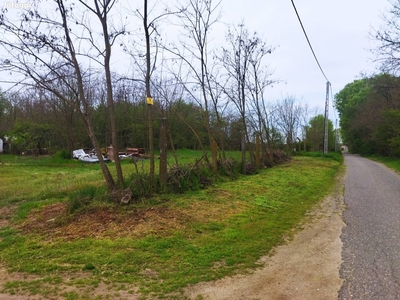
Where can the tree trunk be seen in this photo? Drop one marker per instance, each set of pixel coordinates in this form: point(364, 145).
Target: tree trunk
point(81, 94)
point(110, 100)
point(243, 153)
point(163, 154)
point(258, 151)
point(173, 148)
point(106, 172)
point(148, 95)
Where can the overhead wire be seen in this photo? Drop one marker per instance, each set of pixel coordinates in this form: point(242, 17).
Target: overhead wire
point(308, 40)
point(315, 57)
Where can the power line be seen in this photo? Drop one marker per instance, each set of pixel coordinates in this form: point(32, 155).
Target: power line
point(328, 85)
point(309, 43)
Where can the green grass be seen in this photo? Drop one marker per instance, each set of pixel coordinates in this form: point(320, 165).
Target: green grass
point(26, 178)
point(391, 162)
point(333, 155)
point(227, 229)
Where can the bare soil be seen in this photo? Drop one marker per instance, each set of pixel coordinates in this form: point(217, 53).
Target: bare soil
point(306, 267)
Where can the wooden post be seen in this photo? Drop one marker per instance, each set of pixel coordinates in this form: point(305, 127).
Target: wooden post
point(214, 149)
point(258, 151)
point(299, 144)
point(243, 153)
point(163, 154)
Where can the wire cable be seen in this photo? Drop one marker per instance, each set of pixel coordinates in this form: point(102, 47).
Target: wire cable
point(309, 43)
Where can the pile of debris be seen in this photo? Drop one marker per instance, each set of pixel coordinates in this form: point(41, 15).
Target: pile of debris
point(89, 156)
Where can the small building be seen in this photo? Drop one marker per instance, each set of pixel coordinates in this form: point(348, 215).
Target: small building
point(5, 145)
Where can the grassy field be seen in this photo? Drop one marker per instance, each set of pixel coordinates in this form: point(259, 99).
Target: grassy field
point(156, 246)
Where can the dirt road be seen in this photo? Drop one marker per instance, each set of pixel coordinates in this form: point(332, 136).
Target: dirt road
point(305, 268)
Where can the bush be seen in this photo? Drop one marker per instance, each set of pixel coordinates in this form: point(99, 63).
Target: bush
point(189, 178)
point(139, 185)
point(229, 167)
point(183, 178)
point(62, 154)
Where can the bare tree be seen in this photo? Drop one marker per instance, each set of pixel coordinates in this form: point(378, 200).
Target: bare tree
point(50, 49)
point(166, 91)
point(388, 51)
point(147, 33)
point(258, 81)
point(150, 18)
point(197, 19)
point(102, 10)
point(242, 62)
point(288, 114)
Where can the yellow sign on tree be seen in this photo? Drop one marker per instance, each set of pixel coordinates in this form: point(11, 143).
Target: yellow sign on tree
point(149, 101)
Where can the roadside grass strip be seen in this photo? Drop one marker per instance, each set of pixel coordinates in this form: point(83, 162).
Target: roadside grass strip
point(218, 231)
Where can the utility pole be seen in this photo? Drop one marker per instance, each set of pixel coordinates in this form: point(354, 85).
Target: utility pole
point(336, 137)
point(326, 118)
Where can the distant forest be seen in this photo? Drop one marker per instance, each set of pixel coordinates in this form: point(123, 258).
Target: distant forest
point(38, 122)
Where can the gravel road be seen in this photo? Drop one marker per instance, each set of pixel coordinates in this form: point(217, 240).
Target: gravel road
point(371, 237)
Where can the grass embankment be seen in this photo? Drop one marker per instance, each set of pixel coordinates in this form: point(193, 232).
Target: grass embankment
point(160, 244)
point(391, 162)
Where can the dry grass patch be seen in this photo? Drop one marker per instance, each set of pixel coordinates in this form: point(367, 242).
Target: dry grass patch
point(111, 222)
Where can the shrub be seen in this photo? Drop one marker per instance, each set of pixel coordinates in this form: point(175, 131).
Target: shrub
point(62, 154)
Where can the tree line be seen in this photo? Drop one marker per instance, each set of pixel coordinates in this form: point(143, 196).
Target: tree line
point(369, 111)
point(40, 123)
point(369, 107)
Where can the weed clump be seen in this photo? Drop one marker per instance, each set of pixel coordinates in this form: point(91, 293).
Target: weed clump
point(81, 198)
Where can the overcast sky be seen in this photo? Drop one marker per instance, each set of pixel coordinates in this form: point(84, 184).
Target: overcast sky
point(338, 31)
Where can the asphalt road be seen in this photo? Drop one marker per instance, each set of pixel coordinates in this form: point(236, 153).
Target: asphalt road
point(371, 237)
